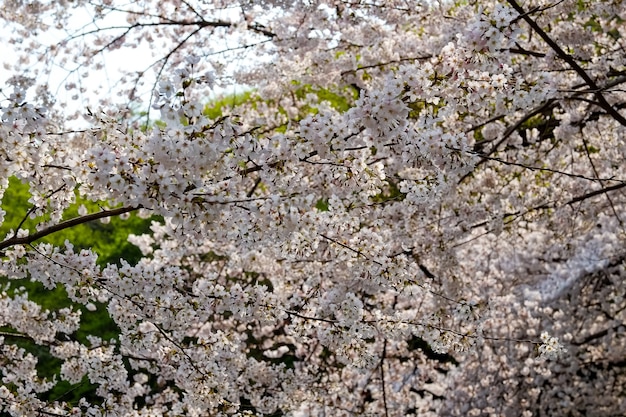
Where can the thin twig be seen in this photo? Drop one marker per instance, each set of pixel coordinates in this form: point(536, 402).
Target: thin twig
point(300, 316)
point(358, 252)
point(554, 171)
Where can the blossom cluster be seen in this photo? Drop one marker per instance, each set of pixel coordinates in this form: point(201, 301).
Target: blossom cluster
point(416, 211)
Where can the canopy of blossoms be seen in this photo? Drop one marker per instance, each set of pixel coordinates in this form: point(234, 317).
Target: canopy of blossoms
point(417, 209)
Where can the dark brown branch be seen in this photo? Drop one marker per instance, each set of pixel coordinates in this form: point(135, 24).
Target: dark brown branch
point(199, 23)
point(537, 110)
point(49, 413)
point(571, 62)
point(180, 348)
point(545, 206)
point(595, 171)
point(25, 240)
point(485, 123)
point(254, 187)
point(479, 145)
point(480, 335)
point(382, 377)
point(537, 9)
point(128, 28)
point(57, 167)
point(521, 51)
point(596, 192)
point(613, 83)
point(193, 10)
point(300, 316)
point(245, 171)
point(198, 199)
point(16, 335)
point(542, 108)
point(262, 30)
point(593, 336)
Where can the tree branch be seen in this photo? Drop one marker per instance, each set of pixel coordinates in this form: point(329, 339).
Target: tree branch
point(25, 240)
point(382, 377)
point(596, 192)
point(571, 62)
point(554, 171)
point(300, 316)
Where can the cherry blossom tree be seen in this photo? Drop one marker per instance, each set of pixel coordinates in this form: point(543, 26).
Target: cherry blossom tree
point(417, 209)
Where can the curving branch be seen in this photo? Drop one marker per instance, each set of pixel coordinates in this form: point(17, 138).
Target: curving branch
point(25, 240)
point(544, 169)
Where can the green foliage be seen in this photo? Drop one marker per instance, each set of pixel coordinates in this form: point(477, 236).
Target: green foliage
point(108, 240)
point(341, 100)
point(49, 366)
point(322, 204)
point(416, 108)
point(593, 25)
point(478, 135)
point(588, 149)
point(391, 193)
point(215, 109)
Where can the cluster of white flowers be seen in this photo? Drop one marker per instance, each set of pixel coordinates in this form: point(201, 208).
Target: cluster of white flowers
point(314, 247)
point(550, 347)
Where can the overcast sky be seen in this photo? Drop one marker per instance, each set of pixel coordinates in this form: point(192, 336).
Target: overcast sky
point(113, 62)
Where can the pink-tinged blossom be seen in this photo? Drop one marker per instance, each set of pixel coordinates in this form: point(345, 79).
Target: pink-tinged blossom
point(411, 211)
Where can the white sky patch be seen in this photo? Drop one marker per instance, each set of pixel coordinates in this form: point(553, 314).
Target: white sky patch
point(76, 87)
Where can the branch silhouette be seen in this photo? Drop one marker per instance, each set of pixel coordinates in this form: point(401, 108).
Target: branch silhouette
point(25, 240)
